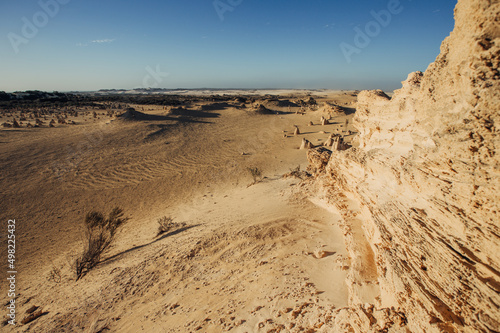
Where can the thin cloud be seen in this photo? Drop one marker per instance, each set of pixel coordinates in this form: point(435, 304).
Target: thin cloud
point(96, 41)
point(101, 41)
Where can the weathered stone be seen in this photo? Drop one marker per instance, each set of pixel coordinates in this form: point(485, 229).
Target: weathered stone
point(425, 182)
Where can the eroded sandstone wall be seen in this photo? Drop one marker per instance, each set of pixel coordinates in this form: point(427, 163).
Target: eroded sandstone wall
point(424, 182)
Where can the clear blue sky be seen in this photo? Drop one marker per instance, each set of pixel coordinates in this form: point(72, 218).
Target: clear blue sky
point(102, 44)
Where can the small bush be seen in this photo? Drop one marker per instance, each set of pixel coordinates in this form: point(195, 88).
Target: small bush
point(297, 173)
point(256, 174)
point(54, 274)
point(166, 224)
point(99, 233)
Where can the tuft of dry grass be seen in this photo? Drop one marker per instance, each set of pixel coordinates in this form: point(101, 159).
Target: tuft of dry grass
point(166, 224)
point(297, 173)
point(256, 174)
point(98, 325)
point(54, 274)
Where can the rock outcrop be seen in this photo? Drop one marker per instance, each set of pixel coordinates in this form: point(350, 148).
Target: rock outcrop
point(420, 194)
point(296, 131)
point(324, 121)
point(306, 144)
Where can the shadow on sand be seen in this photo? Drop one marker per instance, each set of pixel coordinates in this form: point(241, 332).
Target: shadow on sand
point(349, 111)
point(186, 113)
point(162, 237)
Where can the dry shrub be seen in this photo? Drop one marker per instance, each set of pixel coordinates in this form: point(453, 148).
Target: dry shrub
point(297, 173)
point(98, 325)
point(54, 274)
point(100, 233)
point(166, 224)
point(256, 174)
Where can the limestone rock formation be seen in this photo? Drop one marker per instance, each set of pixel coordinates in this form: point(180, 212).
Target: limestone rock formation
point(331, 109)
point(420, 196)
point(281, 103)
point(311, 101)
point(306, 144)
point(318, 159)
point(296, 131)
point(329, 141)
point(339, 144)
point(324, 121)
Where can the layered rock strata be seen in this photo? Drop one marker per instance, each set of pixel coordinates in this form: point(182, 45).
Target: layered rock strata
point(419, 194)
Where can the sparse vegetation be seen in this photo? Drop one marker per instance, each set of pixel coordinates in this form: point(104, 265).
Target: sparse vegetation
point(256, 174)
point(54, 274)
point(99, 325)
point(166, 224)
point(297, 173)
point(100, 233)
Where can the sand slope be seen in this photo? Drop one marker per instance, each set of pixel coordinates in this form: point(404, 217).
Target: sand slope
point(250, 258)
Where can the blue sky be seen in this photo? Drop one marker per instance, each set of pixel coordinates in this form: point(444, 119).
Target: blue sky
point(90, 45)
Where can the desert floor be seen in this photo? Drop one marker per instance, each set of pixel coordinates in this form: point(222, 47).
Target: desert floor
point(259, 258)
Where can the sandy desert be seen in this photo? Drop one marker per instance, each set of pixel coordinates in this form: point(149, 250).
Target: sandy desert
point(264, 210)
point(246, 251)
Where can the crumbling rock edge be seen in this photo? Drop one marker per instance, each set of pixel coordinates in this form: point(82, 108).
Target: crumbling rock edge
point(419, 196)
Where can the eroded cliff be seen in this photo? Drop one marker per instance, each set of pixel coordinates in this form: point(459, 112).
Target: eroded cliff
point(420, 193)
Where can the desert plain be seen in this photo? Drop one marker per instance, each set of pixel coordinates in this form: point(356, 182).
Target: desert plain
point(242, 254)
